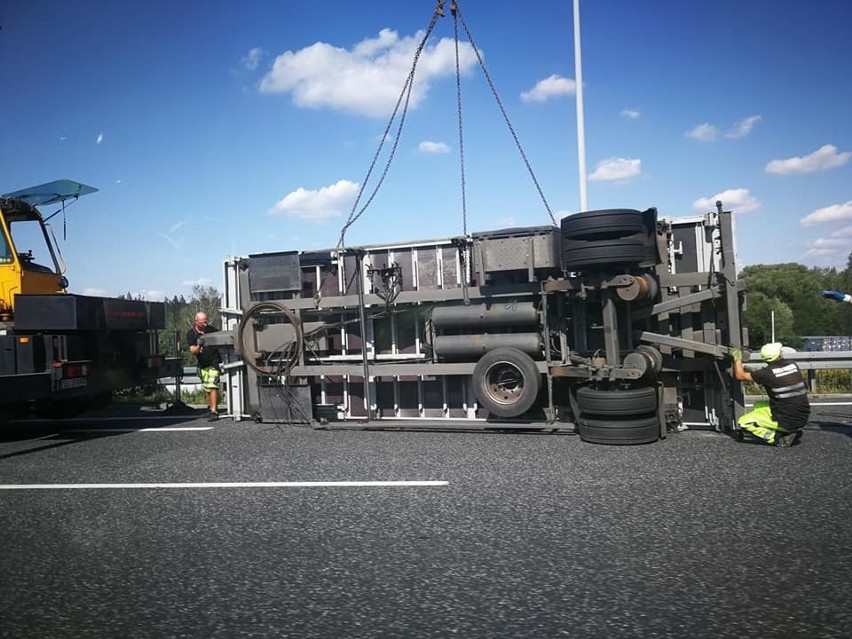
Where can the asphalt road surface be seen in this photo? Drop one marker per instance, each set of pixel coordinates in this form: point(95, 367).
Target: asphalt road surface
point(136, 528)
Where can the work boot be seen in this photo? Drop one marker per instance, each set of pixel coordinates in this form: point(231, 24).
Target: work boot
point(790, 439)
point(212, 416)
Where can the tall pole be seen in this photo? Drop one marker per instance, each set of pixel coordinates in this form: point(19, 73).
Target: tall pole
point(581, 127)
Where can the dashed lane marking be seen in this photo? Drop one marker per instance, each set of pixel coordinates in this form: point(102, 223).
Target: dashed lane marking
point(164, 429)
point(261, 484)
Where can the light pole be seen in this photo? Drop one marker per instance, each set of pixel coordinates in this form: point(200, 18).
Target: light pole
point(581, 128)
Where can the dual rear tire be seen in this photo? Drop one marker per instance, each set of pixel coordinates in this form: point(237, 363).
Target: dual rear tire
point(609, 237)
point(618, 416)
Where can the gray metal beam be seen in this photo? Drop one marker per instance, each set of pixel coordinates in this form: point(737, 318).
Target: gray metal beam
point(687, 300)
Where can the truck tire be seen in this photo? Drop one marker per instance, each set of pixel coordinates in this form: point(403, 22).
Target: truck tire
point(602, 225)
point(593, 253)
point(628, 401)
point(619, 432)
point(506, 382)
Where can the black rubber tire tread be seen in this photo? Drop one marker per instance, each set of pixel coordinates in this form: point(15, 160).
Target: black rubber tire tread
point(623, 432)
point(603, 252)
point(569, 245)
point(602, 224)
point(525, 366)
point(625, 402)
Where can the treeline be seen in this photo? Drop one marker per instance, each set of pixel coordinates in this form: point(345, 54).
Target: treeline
point(791, 293)
point(179, 318)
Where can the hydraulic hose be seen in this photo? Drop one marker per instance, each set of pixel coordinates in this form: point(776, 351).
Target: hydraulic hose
point(249, 355)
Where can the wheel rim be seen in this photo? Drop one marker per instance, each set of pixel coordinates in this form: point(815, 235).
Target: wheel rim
point(504, 383)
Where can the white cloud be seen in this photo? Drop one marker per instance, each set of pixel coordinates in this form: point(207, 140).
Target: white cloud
point(201, 281)
point(100, 138)
point(427, 146)
point(368, 79)
point(736, 200)
point(824, 158)
point(552, 86)
point(836, 245)
point(616, 169)
point(97, 292)
point(251, 60)
point(173, 236)
point(323, 204)
point(175, 242)
point(833, 213)
point(703, 133)
point(631, 114)
point(743, 127)
point(820, 252)
point(832, 243)
point(710, 132)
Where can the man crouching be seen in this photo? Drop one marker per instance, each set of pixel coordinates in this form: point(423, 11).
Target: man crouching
point(779, 421)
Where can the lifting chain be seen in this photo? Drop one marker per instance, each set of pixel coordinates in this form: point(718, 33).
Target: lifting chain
point(403, 101)
point(404, 98)
point(457, 14)
point(454, 9)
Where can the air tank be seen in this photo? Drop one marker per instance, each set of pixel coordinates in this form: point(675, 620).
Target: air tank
point(508, 313)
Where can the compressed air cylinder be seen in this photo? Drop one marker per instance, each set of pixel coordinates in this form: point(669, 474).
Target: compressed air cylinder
point(467, 345)
point(507, 313)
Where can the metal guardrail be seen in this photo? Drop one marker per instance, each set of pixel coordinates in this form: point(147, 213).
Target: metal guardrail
point(189, 375)
point(814, 360)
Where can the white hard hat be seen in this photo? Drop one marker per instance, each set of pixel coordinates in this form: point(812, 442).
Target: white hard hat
point(771, 351)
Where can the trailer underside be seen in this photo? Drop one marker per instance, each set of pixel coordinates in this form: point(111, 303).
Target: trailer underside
point(612, 326)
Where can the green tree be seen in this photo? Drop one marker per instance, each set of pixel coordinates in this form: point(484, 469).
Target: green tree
point(207, 299)
point(758, 318)
point(793, 289)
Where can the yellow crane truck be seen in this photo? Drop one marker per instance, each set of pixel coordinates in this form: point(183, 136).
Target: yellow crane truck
point(61, 353)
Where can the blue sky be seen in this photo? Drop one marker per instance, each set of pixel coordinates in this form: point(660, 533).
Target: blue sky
point(228, 128)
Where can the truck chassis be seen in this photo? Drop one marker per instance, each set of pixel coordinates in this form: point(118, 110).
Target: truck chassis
point(613, 326)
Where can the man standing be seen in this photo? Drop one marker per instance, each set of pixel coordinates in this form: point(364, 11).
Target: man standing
point(780, 420)
point(207, 360)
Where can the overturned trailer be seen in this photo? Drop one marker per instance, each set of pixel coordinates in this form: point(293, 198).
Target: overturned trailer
point(613, 325)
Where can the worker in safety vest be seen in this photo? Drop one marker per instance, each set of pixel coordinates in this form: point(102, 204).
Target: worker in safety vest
point(779, 421)
point(208, 361)
point(837, 296)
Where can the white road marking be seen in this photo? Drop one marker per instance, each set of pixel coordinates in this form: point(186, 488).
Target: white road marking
point(261, 484)
point(164, 429)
